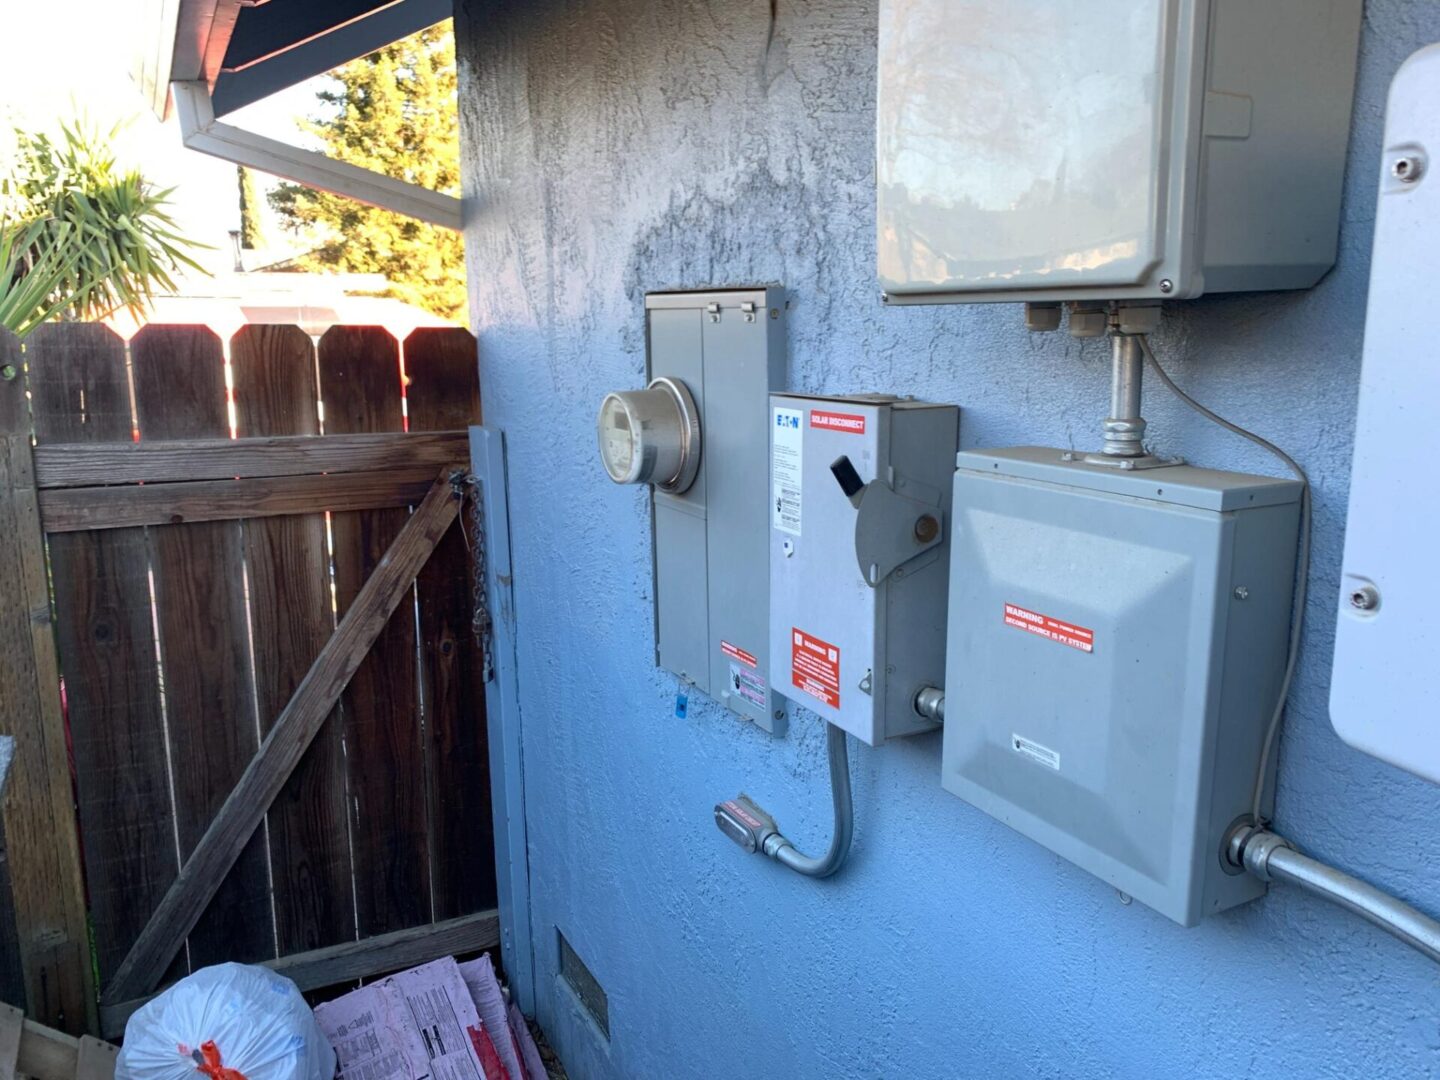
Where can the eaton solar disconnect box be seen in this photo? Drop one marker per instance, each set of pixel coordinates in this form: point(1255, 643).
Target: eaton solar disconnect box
point(859, 529)
point(1117, 642)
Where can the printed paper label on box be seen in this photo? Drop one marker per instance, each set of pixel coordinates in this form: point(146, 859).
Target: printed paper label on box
point(853, 423)
point(748, 685)
point(1032, 622)
point(734, 652)
point(1041, 755)
point(787, 457)
point(815, 667)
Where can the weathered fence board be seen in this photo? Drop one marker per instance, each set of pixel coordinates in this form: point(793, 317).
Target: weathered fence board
point(81, 509)
point(179, 374)
point(80, 392)
point(360, 384)
point(444, 394)
point(70, 465)
point(275, 394)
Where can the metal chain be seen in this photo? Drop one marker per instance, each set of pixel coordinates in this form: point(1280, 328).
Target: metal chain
point(481, 623)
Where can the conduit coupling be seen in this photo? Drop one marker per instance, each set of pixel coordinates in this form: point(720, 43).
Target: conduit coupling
point(1272, 858)
point(743, 821)
point(930, 703)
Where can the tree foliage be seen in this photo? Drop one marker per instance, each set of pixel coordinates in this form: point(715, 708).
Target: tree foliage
point(393, 111)
point(80, 236)
point(252, 235)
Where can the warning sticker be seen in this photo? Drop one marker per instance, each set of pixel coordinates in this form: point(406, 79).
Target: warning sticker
point(748, 685)
point(787, 457)
point(1032, 622)
point(837, 421)
point(815, 667)
point(737, 653)
point(1041, 755)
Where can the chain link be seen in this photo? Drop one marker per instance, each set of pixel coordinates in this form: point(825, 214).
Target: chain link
point(481, 623)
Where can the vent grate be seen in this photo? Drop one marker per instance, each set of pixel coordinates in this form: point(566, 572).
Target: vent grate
point(586, 987)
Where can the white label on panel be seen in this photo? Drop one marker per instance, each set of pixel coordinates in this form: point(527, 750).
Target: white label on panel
point(787, 455)
point(1041, 755)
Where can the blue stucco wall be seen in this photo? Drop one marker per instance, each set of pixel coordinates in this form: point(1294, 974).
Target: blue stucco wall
point(618, 146)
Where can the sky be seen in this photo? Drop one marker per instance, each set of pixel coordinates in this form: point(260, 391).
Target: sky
point(81, 67)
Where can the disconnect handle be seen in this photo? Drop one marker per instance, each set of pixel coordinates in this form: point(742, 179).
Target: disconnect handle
point(845, 474)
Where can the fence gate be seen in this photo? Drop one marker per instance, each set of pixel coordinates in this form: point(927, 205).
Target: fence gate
point(246, 693)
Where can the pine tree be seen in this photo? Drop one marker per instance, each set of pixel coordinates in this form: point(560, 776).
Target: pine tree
point(252, 236)
point(393, 111)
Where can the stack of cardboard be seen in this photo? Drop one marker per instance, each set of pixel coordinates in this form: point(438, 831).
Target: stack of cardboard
point(442, 1020)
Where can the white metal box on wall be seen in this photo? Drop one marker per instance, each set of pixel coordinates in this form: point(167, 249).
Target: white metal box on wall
point(1110, 149)
point(1117, 641)
point(1387, 634)
point(860, 509)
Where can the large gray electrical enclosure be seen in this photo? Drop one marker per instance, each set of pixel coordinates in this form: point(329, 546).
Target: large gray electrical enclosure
point(859, 524)
point(1117, 641)
point(1050, 150)
point(711, 551)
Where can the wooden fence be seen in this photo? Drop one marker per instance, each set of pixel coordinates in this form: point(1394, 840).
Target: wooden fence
point(259, 608)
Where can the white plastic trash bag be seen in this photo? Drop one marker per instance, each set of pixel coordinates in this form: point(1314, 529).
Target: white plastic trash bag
point(222, 1021)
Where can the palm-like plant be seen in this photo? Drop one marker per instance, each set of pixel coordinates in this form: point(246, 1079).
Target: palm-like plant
point(28, 287)
point(81, 237)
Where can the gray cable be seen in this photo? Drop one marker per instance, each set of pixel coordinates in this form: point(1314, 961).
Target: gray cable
point(1297, 619)
point(786, 853)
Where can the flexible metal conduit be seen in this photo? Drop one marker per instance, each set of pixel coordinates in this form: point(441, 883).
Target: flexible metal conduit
point(1271, 858)
point(779, 847)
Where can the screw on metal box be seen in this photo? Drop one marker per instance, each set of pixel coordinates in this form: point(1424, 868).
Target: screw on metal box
point(714, 310)
point(1166, 285)
point(1365, 598)
point(926, 528)
point(748, 310)
point(1408, 169)
point(1242, 593)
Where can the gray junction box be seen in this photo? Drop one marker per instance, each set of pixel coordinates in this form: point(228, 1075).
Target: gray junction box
point(858, 577)
point(711, 579)
point(1116, 646)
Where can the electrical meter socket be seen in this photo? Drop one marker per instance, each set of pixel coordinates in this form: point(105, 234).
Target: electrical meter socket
point(1047, 150)
point(1117, 645)
point(651, 436)
point(698, 435)
point(859, 531)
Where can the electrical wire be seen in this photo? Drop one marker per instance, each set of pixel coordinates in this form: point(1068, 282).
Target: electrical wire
point(1297, 618)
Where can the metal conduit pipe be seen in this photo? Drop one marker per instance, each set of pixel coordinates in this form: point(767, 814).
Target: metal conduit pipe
point(1125, 427)
point(748, 825)
point(779, 847)
point(1272, 858)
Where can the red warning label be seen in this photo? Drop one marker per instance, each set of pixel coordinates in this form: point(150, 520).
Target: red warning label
point(837, 421)
point(737, 653)
point(1032, 622)
point(815, 667)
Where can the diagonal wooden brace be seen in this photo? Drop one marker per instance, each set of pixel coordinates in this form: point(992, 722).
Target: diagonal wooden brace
point(283, 747)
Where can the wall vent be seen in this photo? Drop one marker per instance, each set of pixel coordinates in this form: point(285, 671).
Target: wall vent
point(584, 984)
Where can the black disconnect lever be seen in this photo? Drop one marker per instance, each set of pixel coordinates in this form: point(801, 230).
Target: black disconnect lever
point(848, 478)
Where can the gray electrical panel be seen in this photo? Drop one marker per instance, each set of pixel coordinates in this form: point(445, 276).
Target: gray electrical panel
point(711, 554)
point(859, 520)
point(1117, 641)
point(1049, 150)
